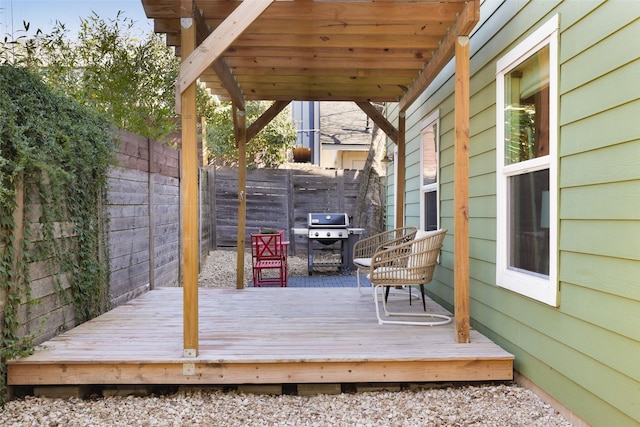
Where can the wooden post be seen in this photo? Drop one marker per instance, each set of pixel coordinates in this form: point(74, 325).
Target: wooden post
point(189, 189)
point(241, 141)
point(203, 135)
point(400, 167)
point(461, 191)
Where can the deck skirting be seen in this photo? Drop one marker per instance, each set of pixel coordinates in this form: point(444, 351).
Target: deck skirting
point(260, 336)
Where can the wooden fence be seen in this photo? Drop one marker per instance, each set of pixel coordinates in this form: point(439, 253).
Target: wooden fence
point(145, 211)
point(278, 198)
point(144, 235)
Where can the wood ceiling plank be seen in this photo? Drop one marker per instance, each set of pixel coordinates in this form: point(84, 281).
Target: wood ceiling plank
point(320, 52)
point(398, 46)
point(295, 62)
point(337, 80)
point(356, 26)
point(320, 91)
point(255, 87)
point(326, 72)
point(276, 26)
point(349, 10)
point(338, 41)
point(320, 97)
point(219, 40)
point(391, 11)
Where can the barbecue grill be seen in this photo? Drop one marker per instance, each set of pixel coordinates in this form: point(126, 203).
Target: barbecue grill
point(327, 229)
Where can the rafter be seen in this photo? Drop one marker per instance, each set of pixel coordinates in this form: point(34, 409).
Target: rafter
point(465, 23)
point(266, 118)
point(222, 70)
point(380, 120)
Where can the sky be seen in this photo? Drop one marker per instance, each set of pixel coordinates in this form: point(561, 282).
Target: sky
point(44, 13)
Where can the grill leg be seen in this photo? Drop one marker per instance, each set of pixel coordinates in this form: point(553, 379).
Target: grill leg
point(310, 258)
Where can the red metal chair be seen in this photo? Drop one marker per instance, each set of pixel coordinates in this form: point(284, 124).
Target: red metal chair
point(269, 258)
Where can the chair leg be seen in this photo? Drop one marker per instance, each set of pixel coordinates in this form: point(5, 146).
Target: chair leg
point(440, 318)
point(358, 282)
point(284, 274)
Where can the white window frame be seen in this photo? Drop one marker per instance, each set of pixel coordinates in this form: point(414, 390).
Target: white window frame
point(431, 120)
point(537, 287)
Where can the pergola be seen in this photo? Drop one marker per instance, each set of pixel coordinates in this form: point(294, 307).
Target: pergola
point(326, 50)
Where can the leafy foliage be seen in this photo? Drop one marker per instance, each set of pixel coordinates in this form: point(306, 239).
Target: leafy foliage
point(267, 149)
point(106, 67)
point(56, 153)
point(133, 82)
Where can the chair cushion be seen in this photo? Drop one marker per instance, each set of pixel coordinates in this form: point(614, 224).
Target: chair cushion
point(395, 274)
point(415, 247)
point(421, 233)
point(362, 262)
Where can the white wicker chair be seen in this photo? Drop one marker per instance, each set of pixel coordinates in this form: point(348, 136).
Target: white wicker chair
point(364, 249)
point(407, 264)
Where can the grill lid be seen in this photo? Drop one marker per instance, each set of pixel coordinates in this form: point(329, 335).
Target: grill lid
point(328, 220)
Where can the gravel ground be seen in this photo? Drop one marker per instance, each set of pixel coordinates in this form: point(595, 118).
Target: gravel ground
point(502, 405)
point(452, 405)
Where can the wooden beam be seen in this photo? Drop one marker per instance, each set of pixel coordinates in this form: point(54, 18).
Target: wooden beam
point(189, 190)
point(400, 167)
point(380, 120)
point(240, 123)
point(229, 82)
point(464, 24)
point(461, 191)
point(219, 40)
point(265, 118)
point(219, 66)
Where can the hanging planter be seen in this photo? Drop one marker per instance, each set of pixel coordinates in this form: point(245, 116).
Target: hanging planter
point(302, 155)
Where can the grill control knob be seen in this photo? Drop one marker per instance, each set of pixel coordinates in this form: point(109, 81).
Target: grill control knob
point(317, 234)
point(328, 234)
point(340, 234)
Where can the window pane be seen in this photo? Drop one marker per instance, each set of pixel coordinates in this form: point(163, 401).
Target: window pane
point(431, 210)
point(529, 222)
point(527, 109)
point(429, 156)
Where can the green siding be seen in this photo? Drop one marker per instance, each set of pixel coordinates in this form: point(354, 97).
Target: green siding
point(609, 127)
point(613, 201)
point(615, 163)
point(611, 275)
point(611, 90)
point(613, 239)
point(584, 352)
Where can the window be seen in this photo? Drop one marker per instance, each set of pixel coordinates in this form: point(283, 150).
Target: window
point(526, 256)
point(429, 211)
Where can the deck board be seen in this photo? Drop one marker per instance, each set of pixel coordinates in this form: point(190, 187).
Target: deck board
point(260, 335)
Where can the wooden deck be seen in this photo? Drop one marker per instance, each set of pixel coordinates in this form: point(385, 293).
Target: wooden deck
point(260, 336)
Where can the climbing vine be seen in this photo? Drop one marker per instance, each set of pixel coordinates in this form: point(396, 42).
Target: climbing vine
point(55, 155)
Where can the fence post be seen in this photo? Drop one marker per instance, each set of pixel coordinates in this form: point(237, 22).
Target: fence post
point(340, 189)
point(212, 207)
point(290, 211)
point(151, 191)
